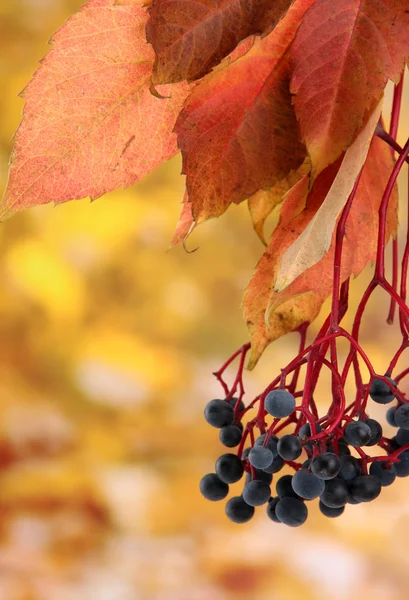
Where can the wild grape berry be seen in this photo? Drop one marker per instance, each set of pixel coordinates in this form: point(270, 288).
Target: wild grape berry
point(365, 488)
point(230, 436)
point(238, 511)
point(336, 493)
point(326, 466)
point(213, 488)
point(271, 509)
point(380, 392)
point(402, 467)
point(229, 468)
point(284, 487)
point(349, 468)
point(384, 472)
point(376, 431)
point(271, 444)
point(402, 437)
point(402, 416)
point(219, 413)
point(289, 447)
point(276, 465)
point(357, 433)
point(305, 432)
point(245, 453)
point(279, 403)
point(332, 513)
point(256, 492)
point(390, 416)
point(307, 485)
point(261, 457)
point(260, 475)
point(291, 511)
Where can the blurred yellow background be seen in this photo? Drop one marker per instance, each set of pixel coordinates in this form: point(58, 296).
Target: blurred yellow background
point(107, 344)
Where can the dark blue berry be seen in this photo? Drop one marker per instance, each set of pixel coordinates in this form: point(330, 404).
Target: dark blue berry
point(238, 510)
point(276, 465)
point(402, 437)
point(256, 493)
point(261, 457)
point(279, 403)
point(326, 466)
point(213, 488)
point(349, 468)
point(230, 436)
point(284, 487)
point(336, 493)
point(357, 433)
point(219, 413)
point(402, 467)
point(380, 391)
point(307, 485)
point(271, 509)
point(332, 513)
point(233, 402)
point(260, 475)
point(305, 432)
point(402, 416)
point(229, 468)
point(289, 447)
point(291, 511)
point(390, 416)
point(365, 488)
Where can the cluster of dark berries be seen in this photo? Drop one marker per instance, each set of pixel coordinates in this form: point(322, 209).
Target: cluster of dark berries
point(329, 471)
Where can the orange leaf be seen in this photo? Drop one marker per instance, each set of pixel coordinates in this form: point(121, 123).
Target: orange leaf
point(237, 132)
point(90, 122)
point(190, 37)
point(302, 300)
point(262, 203)
point(343, 54)
point(185, 224)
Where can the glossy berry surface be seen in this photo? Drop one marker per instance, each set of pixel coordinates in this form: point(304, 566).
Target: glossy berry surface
point(213, 488)
point(256, 493)
point(238, 511)
point(291, 511)
point(261, 457)
point(219, 413)
point(284, 487)
point(230, 436)
point(380, 392)
point(336, 493)
point(376, 431)
point(365, 488)
point(307, 485)
point(384, 472)
point(357, 433)
point(402, 416)
point(289, 447)
point(229, 468)
point(279, 403)
point(271, 509)
point(332, 513)
point(349, 468)
point(326, 466)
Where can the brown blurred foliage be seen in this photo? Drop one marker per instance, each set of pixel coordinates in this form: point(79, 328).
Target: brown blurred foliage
point(107, 344)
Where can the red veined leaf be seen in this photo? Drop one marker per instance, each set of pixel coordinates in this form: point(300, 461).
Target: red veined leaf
point(190, 37)
point(343, 54)
point(301, 301)
point(237, 132)
point(90, 122)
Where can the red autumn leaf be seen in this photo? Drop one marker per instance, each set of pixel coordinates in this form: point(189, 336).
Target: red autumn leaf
point(343, 54)
point(190, 37)
point(90, 123)
point(301, 301)
point(237, 131)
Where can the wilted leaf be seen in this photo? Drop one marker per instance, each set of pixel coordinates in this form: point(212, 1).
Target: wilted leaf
point(343, 54)
point(90, 122)
point(316, 239)
point(301, 301)
point(262, 203)
point(190, 37)
point(237, 131)
point(185, 223)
